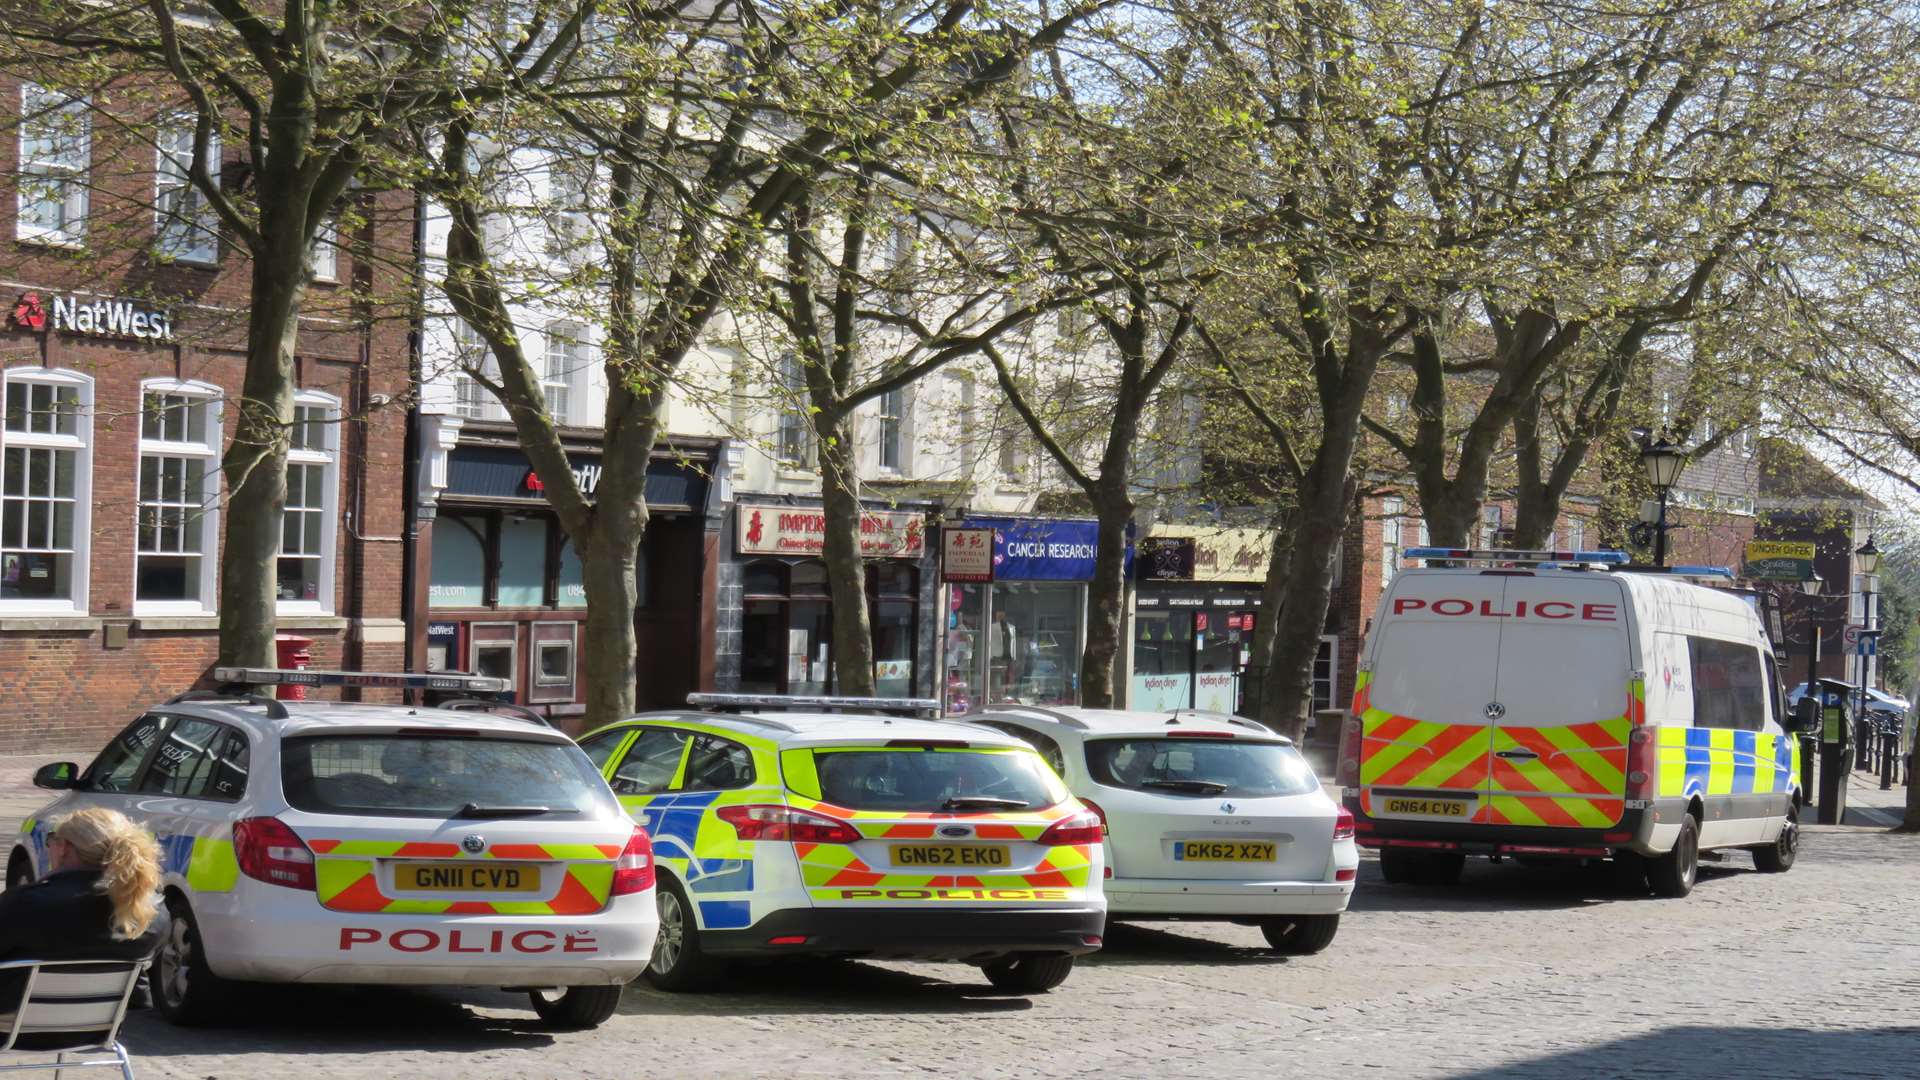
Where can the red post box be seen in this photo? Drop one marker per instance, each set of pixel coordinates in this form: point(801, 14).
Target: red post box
point(292, 651)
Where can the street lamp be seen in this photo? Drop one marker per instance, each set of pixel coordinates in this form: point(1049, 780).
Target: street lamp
point(1866, 563)
point(1810, 701)
point(1664, 463)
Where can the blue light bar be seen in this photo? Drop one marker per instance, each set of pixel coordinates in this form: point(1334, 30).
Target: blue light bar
point(1617, 558)
point(1700, 571)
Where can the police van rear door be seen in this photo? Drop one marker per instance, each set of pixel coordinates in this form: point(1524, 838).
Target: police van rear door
point(1559, 707)
point(1426, 736)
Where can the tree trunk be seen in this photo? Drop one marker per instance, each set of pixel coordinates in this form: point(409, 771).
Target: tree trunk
point(1911, 823)
point(256, 463)
point(1326, 498)
point(609, 569)
point(1450, 520)
point(1106, 604)
point(846, 569)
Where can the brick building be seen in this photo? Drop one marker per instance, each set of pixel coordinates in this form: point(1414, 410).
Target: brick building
point(121, 363)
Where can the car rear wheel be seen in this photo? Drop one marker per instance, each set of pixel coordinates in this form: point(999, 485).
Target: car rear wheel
point(1028, 973)
point(1777, 857)
point(1300, 935)
point(1673, 874)
point(575, 1008)
point(19, 872)
point(678, 963)
point(185, 990)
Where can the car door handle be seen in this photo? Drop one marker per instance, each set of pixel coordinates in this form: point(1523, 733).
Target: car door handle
point(1517, 755)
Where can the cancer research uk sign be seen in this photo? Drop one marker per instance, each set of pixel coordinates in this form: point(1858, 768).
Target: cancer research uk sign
point(1041, 549)
point(802, 530)
point(96, 318)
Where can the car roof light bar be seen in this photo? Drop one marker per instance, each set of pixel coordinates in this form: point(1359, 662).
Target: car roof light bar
point(1606, 558)
point(751, 702)
point(1683, 571)
point(251, 676)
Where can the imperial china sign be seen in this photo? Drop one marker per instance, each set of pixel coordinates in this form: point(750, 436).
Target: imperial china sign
point(99, 318)
point(802, 530)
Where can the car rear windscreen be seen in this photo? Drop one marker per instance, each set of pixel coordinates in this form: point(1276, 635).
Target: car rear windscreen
point(434, 776)
point(936, 780)
point(1176, 766)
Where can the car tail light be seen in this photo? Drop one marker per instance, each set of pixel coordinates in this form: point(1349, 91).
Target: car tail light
point(1083, 827)
point(1097, 812)
point(1347, 874)
point(633, 870)
point(269, 851)
point(1641, 763)
point(788, 939)
point(784, 823)
point(1347, 772)
point(1342, 824)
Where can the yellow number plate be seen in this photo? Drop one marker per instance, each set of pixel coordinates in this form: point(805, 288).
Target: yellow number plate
point(1223, 851)
point(949, 855)
point(1430, 807)
point(467, 877)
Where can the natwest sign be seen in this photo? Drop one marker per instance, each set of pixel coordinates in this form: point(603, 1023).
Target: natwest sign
point(802, 530)
point(99, 318)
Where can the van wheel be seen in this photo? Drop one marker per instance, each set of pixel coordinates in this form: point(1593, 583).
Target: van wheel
point(1441, 868)
point(185, 990)
point(1028, 973)
point(1300, 935)
point(1629, 873)
point(1398, 867)
point(575, 1008)
point(1777, 857)
point(678, 962)
point(1673, 874)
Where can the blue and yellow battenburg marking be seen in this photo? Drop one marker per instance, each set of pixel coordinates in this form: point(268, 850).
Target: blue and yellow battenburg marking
point(1723, 761)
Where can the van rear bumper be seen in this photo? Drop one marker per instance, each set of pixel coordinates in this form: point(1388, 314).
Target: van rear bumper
point(1631, 832)
point(929, 932)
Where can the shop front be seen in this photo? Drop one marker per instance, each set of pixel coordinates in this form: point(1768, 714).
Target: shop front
point(504, 591)
point(1015, 630)
point(1196, 605)
point(784, 613)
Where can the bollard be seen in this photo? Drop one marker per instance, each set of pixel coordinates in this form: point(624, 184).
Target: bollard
point(1889, 758)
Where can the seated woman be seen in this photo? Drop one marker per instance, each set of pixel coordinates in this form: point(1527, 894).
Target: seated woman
point(99, 901)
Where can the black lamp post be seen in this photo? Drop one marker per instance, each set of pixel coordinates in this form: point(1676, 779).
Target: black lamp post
point(1866, 563)
point(1810, 701)
point(1664, 463)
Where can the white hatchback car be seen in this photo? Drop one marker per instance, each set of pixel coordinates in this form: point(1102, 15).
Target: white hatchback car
point(338, 843)
point(1208, 817)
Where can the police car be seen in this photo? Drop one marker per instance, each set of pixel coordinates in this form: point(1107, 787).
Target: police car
point(339, 843)
point(1208, 816)
point(784, 829)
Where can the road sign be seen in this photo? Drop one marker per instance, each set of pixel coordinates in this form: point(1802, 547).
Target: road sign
point(1851, 635)
point(1866, 647)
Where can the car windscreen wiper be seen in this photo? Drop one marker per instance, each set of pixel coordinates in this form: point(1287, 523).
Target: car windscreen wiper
point(475, 810)
point(1200, 787)
point(983, 802)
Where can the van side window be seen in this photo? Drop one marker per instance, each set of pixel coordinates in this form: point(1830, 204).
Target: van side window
point(1775, 703)
point(1729, 690)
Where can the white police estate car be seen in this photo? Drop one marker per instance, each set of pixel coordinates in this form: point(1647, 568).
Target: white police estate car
point(341, 843)
point(1207, 816)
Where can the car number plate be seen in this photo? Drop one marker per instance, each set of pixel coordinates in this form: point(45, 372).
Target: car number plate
point(1223, 850)
point(950, 855)
point(1455, 808)
point(467, 877)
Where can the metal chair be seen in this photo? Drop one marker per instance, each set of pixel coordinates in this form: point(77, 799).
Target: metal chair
point(69, 1007)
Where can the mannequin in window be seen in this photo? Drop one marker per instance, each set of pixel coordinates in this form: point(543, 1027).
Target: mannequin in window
point(1003, 655)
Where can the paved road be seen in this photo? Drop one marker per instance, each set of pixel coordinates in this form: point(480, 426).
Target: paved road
point(1517, 973)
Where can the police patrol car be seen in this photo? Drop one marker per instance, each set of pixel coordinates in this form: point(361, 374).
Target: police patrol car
point(1560, 704)
point(340, 843)
point(817, 833)
point(1207, 816)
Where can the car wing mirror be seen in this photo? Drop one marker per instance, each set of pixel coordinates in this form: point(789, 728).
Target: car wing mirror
point(58, 776)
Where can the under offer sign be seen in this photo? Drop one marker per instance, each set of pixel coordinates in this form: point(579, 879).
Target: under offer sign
point(966, 555)
point(802, 530)
point(1780, 560)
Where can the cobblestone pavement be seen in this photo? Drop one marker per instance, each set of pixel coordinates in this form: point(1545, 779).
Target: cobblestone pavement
point(1518, 973)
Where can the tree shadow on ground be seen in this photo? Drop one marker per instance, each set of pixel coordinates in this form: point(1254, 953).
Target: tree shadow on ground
point(1713, 1053)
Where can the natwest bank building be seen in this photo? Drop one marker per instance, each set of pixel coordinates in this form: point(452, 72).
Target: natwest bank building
point(121, 366)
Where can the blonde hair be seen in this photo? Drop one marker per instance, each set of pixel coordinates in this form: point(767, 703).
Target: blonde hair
point(128, 857)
